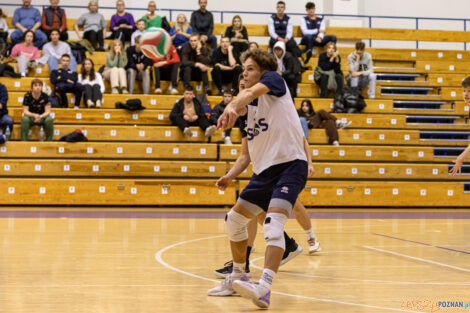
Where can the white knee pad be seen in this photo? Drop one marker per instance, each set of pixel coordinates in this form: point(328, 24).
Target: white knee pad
point(273, 228)
point(236, 226)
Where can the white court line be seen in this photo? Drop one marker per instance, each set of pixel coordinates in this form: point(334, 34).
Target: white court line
point(158, 257)
point(419, 259)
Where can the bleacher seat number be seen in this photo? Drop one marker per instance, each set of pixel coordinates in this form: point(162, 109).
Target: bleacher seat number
point(156, 168)
point(339, 192)
point(164, 191)
point(202, 151)
point(126, 168)
point(409, 171)
point(133, 191)
point(176, 150)
point(435, 171)
point(184, 169)
point(368, 153)
point(327, 170)
point(71, 189)
point(96, 168)
point(395, 191)
point(107, 116)
point(192, 191)
point(119, 150)
point(366, 191)
point(102, 189)
point(148, 150)
point(354, 171)
point(89, 150)
point(6, 167)
point(135, 116)
point(17, 84)
point(3, 149)
point(42, 190)
point(37, 167)
point(313, 191)
point(142, 133)
point(78, 116)
point(233, 151)
point(450, 193)
point(61, 149)
point(422, 192)
point(315, 152)
point(33, 149)
point(113, 132)
point(11, 190)
point(66, 168)
point(381, 171)
point(211, 169)
point(420, 154)
point(167, 133)
point(342, 153)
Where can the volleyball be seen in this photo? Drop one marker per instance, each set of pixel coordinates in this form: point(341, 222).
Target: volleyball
point(155, 43)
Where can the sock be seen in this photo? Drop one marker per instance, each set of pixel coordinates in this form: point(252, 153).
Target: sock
point(248, 251)
point(267, 278)
point(310, 233)
point(238, 269)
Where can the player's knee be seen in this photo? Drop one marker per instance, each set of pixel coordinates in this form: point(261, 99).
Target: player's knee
point(236, 226)
point(273, 229)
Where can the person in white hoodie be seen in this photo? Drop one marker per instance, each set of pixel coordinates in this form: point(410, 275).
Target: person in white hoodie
point(288, 67)
point(361, 69)
point(92, 83)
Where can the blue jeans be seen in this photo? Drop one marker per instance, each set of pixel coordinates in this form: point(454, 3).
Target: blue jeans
point(53, 63)
point(17, 37)
point(6, 120)
point(304, 124)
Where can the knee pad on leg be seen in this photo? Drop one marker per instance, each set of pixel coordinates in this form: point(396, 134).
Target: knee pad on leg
point(236, 226)
point(273, 228)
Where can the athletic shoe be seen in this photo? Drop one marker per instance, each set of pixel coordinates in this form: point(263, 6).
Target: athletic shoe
point(254, 291)
point(314, 246)
point(158, 91)
point(292, 250)
point(174, 91)
point(124, 90)
point(226, 287)
point(344, 124)
point(188, 132)
point(115, 90)
point(227, 140)
point(210, 131)
point(227, 270)
point(98, 103)
point(308, 55)
point(90, 103)
point(335, 143)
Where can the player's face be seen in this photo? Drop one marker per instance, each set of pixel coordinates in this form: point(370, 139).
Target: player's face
point(360, 53)
point(280, 8)
point(120, 6)
point(305, 107)
point(26, 3)
point(64, 62)
point(252, 73)
point(28, 38)
point(152, 7)
point(87, 65)
point(37, 88)
point(241, 84)
point(311, 12)
point(227, 98)
point(466, 94)
point(54, 3)
point(188, 96)
point(278, 51)
point(203, 4)
point(141, 25)
point(330, 50)
point(237, 23)
point(55, 36)
point(181, 19)
point(93, 7)
point(193, 41)
point(225, 43)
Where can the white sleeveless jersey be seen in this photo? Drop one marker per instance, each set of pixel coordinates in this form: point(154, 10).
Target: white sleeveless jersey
point(273, 127)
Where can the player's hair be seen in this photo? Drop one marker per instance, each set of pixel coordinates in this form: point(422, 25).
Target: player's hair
point(36, 81)
point(253, 43)
point(310, 5)
point(331, 43)
point(281, 2)
point(91, 74)
point(360, 45)
point(195, 35)
point(466, 82)
point(65, 55)
point(189, 88)
point(265, 60)
point(54, 30)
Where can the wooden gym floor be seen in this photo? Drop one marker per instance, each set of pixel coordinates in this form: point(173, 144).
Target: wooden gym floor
point(112, 260)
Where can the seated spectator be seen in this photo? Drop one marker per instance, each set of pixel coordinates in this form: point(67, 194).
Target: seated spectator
point(281, 28)
point(27, 55)
point(166, 68)
point(328, 74)
point(227, 66)
point(181, 32)
point(94, 26)
point(313, 31)
point(238, 35)
point(217, 112)
point(114, 71)
point(310, 119)
point(66, 80)
point(55, 49)
point(252, 46)
point(53, 17)
point(151, 18)
point(138, 67)
point(36, 111)
point(202, 23)
point(92, 83)
point(6, 121)
point(195, 62)
point(140, 24)
point(361, 69)
point(122, 23)
point(189, 112)
point(3, 31)
point(288, 66)
point(27, 18)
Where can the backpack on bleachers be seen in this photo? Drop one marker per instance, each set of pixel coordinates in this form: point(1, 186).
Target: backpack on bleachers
point(350, 100)
point(78, 51)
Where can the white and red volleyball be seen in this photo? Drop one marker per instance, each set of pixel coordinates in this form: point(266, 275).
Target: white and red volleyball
point(155, 43)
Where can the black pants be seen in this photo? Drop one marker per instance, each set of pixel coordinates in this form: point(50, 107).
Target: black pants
point(63, 88)
point(291, 82)
point(323, 83)
point(220, 77)
point(202, 122)
point(123, 34)
point(195, 74)
point(239, 47)
point(310, 41)
point(96, 38)
point(92, 93)
point(169, 72)
point(291, 46)
point(63, 35)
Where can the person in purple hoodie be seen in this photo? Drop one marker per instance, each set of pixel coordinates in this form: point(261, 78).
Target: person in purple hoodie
point(122, 23)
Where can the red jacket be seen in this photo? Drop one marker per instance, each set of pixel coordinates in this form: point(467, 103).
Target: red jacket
point(171, 57)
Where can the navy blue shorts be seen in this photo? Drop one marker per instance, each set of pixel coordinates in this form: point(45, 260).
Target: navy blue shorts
point(277, 186)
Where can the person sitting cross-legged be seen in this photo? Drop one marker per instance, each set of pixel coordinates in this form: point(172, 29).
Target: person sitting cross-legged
point(66, 80)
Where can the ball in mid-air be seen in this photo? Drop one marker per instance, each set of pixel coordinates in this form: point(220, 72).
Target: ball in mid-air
point(155, 43)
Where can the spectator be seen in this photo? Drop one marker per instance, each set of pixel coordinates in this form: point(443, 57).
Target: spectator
point(27, 55)
point(181, 32)
point(55, 49)
point(227, 66)
point(202, 23)
point(281, 28)
point(36, 111)
point(361, 69)
point(54, 17)
point(217, 112)
point(252, 46)
point(3, 31)
point(122, 23)
point(94, 26)
point(288, 67)
point(138, 67)
point(66, 80)
point(92, 83)
point(328, 74)
point(310, 119)
point(189, 112)
point(27, 18)
point(238, 35)
point(166, 68)
point(140, 30)
point(114, 71)
point(151, 18)
point(6, 121)
point(195, 62)
point(313, 31)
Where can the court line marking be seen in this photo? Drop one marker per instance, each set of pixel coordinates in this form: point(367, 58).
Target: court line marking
point(158, 257)
point(391, 282)
point(418, 259)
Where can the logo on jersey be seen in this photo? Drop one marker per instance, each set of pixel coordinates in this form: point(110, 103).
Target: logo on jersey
point(260, 126)
point(285, 189)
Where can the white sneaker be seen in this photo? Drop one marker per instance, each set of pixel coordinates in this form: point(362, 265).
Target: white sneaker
point(188, 132)
point(260, 295)
point(210, 131)
point(335, 143)
point(314, 246)
point(345, 124)
point(90, 103)
point(225, 288)
point(98, 103)
point(174, 91)
point(227, 140)
point(158, 91)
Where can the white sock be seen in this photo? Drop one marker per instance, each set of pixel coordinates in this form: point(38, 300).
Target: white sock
point(310, 233)
point(238, 269)
point(267, 278)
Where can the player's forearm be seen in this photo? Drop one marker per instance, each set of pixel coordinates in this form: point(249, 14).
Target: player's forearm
point(307, 151)
point(240, 165)
point(242, 100)
point(464, 155)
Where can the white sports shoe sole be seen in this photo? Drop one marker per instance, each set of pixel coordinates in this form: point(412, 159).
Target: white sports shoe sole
point(248, 291)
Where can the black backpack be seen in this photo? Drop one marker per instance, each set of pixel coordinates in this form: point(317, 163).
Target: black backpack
point(74, 136)
point(131, 105)
point(350, 100)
